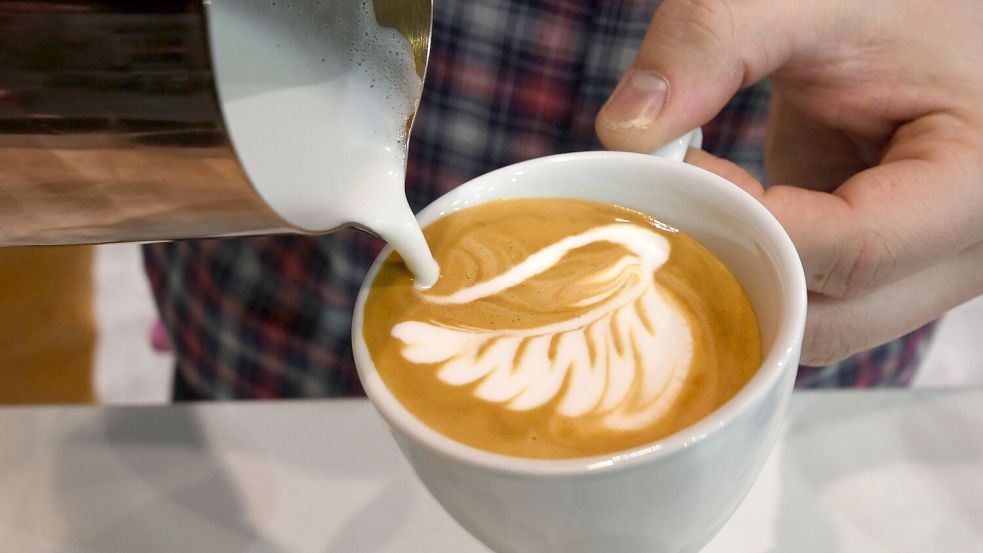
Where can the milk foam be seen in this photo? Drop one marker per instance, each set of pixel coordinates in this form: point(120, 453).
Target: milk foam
point(625, 359)
point(316, 97)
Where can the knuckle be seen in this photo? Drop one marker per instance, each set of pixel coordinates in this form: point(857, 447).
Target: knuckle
point(871, 263)
point(696, 31)
point(701, 20)
point(862, 264)
point(826, 340)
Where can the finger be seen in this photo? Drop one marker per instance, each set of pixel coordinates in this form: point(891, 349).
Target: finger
point(819, 224)
point(695, 56)
point(802, 151)
point(921, 204)
point(836, 329)
point(726, 169)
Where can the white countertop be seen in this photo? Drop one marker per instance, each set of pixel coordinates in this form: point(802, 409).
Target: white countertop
point(854, 472)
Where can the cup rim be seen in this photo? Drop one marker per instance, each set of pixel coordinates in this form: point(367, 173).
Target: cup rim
point(775, 363)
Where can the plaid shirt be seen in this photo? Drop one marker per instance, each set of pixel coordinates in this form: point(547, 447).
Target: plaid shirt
point(508, 81)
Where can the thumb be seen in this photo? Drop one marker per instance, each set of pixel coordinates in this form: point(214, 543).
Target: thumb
point(695, 56)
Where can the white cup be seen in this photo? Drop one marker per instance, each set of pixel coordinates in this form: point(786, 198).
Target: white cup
point(670, 496)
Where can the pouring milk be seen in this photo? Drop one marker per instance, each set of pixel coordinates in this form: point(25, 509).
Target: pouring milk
point(316, 97)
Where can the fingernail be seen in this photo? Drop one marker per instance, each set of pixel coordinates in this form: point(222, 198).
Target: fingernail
point(636, 101)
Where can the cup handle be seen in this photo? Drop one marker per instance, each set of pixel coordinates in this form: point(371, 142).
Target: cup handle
point(677, 148)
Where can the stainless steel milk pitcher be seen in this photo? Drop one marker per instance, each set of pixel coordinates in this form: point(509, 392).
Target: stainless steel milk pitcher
point(111, 128)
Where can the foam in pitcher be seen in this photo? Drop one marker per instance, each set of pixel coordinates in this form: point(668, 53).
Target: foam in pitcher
point(316, 97)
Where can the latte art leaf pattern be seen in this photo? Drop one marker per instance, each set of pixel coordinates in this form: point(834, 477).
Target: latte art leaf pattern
point(624, 360)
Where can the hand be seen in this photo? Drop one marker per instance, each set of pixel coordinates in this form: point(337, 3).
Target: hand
point(874, 146)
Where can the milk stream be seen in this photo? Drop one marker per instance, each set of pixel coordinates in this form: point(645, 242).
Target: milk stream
point(316, 96)
point(641, 341)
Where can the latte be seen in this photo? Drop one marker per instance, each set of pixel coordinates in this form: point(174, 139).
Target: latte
point(561, 328)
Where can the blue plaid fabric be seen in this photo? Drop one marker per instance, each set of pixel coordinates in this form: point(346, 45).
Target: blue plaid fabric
point(508, 81)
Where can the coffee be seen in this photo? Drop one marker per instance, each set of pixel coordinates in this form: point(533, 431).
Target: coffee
point(561, 328)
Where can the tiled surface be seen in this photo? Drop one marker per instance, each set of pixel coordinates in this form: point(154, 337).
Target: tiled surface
point(128, 371)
